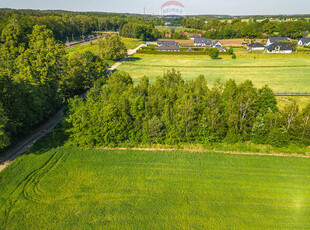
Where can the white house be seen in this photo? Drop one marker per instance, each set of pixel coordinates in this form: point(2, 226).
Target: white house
point(202, 42)
point(275, 39)
point(255, 46)
point(304, 42)
point(279, 48)
point(216, 44)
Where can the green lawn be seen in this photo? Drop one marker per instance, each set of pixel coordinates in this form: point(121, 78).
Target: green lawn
point(130, 43)
point(282, 73)
point(94, 189)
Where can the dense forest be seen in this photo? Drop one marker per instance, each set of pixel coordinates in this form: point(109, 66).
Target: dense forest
point(172, 111)
point(67, 24)
point(217, 29)
point(36, 77)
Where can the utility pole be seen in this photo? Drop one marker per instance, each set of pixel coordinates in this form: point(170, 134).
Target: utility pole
point(144, 10)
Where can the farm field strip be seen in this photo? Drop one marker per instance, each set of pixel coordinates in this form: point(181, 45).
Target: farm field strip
point(283, 75)
point(154, 189)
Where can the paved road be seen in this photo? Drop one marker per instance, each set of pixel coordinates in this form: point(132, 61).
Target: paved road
point(25, 144)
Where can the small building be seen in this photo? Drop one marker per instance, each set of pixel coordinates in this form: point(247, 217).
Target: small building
point(216, 44)
point(202, 42)
point(256, 47)
point(168, 47)
point(304, 42)
point(167, 42)
point(276, 39)
point(278, 47)
point(195, 36)
point(222, 50)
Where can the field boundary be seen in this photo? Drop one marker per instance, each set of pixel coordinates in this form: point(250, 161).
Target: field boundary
point(128, 62)
point(206, 150)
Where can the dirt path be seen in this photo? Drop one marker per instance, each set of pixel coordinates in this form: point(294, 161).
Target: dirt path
point(129, 52)
point(215, 151)
point(25, 144)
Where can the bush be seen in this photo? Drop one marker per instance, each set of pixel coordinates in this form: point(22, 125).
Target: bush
point(234, 56)
point(214, 53)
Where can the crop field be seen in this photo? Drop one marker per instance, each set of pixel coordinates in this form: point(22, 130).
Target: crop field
point(85, 189)
point(284, 74)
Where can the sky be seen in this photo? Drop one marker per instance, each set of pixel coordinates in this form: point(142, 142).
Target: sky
point(192, 7)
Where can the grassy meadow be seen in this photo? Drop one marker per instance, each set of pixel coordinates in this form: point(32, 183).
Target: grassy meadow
point(283, 73)
point(84, 189)
point(130, 43)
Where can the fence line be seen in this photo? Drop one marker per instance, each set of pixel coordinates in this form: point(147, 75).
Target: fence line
point(293, 94)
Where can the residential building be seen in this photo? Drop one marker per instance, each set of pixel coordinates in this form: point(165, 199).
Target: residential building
point(255, 46)
point(202, 42)
point(169, 47)
point(304, 42)
point(195, 36)
point(276, 39)
point(216, 44)
point(278, 47)
point(167, 42)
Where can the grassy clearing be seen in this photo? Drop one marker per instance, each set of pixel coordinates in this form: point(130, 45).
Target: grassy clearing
point(69, 188)
point(282, 73)
point(130, 43)
point(302, 102)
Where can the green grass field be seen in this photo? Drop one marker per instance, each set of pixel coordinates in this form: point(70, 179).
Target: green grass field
point(94, 189)
point(282, 73)
point(130, 43)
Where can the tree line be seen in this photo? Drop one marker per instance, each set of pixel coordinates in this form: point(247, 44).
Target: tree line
point(172, 111)
point(67, 24)
point(217, 29)
point(36, 77)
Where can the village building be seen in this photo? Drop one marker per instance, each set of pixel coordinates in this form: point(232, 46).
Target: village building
point(216, 44)
point(167, 42)
point(195, 36)
point(169, 47)
point(278, 47)
point(304, 42)
point(202, 42)
point(274, 39)
point(222, 50)
point(256, 47)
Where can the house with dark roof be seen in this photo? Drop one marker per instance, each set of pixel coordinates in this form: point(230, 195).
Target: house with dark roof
point(304, 42)
point(195, 36)
point(255, 46)
point(279, 47)
point(167, 42)
point(169, 47)
point(202, 42)
point(276, 39)
point(216, 44)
